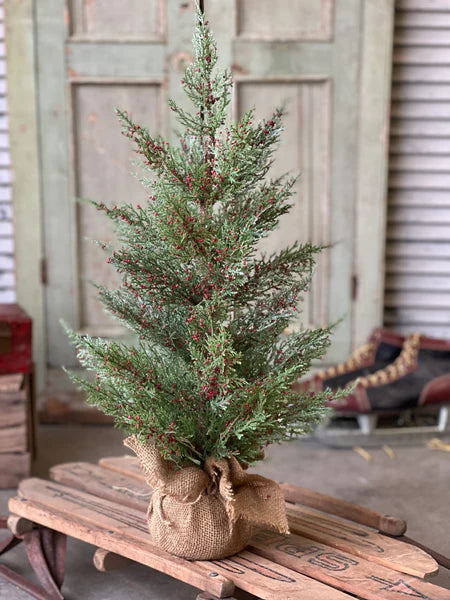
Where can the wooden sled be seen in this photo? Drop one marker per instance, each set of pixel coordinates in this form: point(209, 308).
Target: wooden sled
point(325, 557)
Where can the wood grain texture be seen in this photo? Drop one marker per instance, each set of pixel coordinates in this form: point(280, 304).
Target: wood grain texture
point(354, 575)
point(13, 410)
point(104, 483)
point(125, 465)
point(344, 509)
point(298, 20)
point(269, 580)
point(104, 560)
point(351, 538)
point(109, 526)
point(18, 525)
point(124, 531)
point(361, 541)
point(13, 439)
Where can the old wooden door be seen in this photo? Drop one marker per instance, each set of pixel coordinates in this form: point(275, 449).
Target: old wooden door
point(93, 57)
point(319, 57)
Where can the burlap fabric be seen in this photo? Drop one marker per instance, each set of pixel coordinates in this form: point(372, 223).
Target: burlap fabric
point(205, 514)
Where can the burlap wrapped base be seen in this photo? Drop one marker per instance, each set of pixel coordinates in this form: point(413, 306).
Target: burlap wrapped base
point(206, 514)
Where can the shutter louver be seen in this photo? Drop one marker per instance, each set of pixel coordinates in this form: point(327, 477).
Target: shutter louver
point(417, 290)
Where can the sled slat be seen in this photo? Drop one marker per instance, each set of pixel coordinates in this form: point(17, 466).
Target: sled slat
point(324, 528)
point(104, 483)
point(110, 526)
point(271, 581)
point(125, 465)
point(123, 531)
point(346, 510)
point(347, 572)
point(361, 541)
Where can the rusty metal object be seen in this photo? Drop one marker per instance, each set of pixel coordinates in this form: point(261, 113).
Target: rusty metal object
point(46, 551)
point(19, 581)
point(9, 543)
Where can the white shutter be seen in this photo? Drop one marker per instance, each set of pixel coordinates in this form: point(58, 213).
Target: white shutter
point(417, 296)
point(7, 275)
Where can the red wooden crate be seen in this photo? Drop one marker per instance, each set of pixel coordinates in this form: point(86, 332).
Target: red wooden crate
point(15, 340)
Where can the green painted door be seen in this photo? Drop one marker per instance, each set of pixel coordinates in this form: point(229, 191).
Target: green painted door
point(93, 57)
point(307, 55)
point(327, 60)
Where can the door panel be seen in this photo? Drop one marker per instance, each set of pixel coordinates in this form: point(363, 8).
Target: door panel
point(93, 57)
point(105, 163)
point(111, 19)
point(305, 145)
point(306, 54)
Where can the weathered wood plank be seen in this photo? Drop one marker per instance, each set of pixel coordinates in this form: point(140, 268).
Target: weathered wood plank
point(104, 483)
point(344, 509)
point(268, 580)
point(13, 410)
point(126, 465)
point(11, 383)
point(13, 439)
point(339, 534)
point(124, 531)
point(109, 526)
point(349, 573)
point(361, 542)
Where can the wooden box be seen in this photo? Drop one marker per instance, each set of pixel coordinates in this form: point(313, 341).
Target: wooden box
point(15, 340)
point(16, 428)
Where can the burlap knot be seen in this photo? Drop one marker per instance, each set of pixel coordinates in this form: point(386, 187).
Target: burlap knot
point(205, 514)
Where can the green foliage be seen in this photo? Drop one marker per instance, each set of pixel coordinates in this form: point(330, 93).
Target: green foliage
point(211, 373)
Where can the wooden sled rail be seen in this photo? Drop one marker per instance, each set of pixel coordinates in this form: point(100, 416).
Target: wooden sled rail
point(346, 510)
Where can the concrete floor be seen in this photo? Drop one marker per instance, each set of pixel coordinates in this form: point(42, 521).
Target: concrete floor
point(415, 485)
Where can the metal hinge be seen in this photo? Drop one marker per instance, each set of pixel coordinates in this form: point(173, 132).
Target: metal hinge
point(44, 271)
point(355, 282)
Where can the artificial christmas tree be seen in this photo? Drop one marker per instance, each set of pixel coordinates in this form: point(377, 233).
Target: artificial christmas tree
point(208, 384)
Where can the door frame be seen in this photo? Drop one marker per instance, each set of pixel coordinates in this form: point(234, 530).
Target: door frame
point(25, 166)
point(371, 202)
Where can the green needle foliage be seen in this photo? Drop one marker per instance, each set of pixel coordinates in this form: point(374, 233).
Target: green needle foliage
point(211, 374)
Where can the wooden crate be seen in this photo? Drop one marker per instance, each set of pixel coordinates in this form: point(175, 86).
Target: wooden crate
point(16, 428)
point(324, 558)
